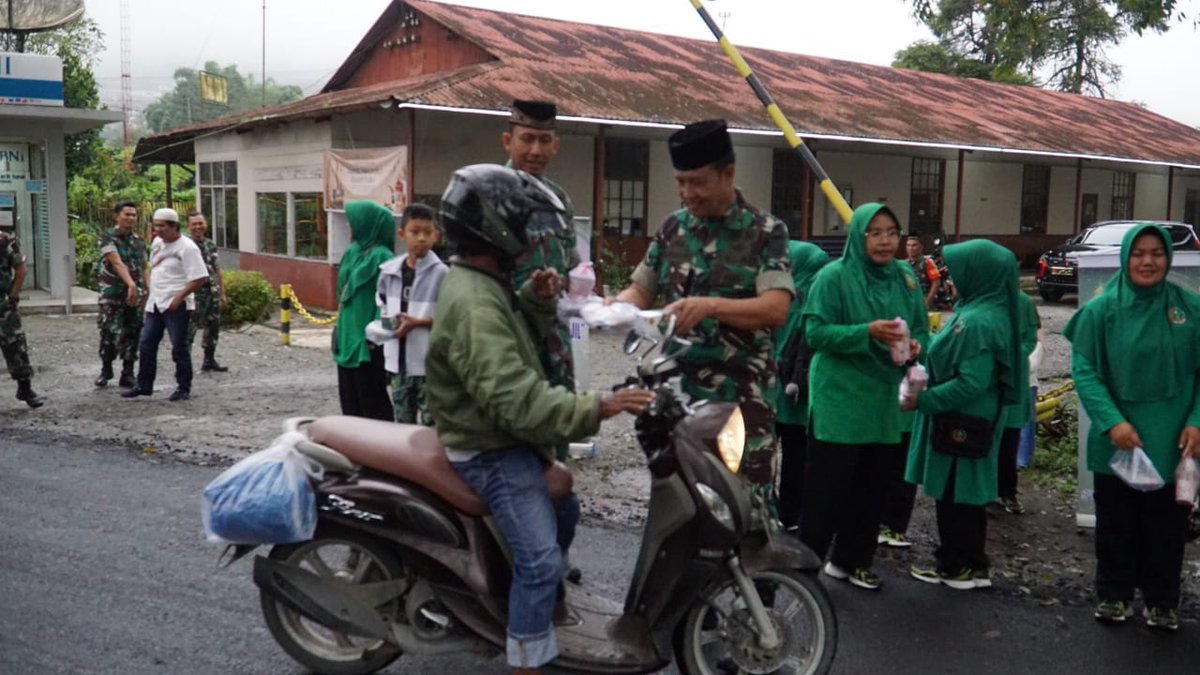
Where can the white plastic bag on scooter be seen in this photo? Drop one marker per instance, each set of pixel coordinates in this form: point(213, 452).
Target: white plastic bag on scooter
point(266, 498)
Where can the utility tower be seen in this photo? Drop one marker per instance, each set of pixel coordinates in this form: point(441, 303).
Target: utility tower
point(126, 78)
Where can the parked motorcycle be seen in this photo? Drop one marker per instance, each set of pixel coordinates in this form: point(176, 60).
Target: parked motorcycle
point(406, 559)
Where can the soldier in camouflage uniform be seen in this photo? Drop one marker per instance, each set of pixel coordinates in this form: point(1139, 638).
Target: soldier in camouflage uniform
point(12, 337)
point(122, 276)
point(722, 266)
point(209, 297)
point(531, 142)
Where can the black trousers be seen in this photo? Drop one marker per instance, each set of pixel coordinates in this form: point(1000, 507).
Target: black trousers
point(363, 390)
point(793, 440)
point(962, 530)
point(901, 494)
point(843, 498)
point(1006, 473)
point(1140, 538)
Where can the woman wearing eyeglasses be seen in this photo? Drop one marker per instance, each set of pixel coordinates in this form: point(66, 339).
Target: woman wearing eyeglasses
point(854, 412)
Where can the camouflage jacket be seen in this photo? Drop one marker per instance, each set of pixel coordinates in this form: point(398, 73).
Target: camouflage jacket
point(739, 256)
point(208, 252)
point(550, 245)
point(132, 250)
point(10, 259)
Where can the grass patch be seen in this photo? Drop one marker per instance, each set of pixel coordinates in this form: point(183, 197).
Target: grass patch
point(1055, 456)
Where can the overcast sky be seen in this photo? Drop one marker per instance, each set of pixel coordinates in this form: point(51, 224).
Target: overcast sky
point(308, 39)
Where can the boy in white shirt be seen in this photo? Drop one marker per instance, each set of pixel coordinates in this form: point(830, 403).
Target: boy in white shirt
point(176, 270)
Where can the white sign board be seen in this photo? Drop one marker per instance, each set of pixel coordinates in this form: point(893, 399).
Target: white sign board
point(30, 79)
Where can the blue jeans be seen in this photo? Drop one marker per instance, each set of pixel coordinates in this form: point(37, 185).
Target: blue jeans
point(175, 324)
point(512, 483)
point(1029, 432)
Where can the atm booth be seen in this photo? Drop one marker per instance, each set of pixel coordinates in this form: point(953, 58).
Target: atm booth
point(33, 175)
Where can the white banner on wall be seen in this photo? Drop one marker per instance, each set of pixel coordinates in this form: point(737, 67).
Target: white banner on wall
point(374, 174)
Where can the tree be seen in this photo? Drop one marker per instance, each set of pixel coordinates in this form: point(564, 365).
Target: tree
point(77, 44)
point(936, 57)
point(1062, 43)
point(182, 105)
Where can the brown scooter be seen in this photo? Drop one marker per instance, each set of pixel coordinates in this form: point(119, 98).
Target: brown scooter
point(407, 559)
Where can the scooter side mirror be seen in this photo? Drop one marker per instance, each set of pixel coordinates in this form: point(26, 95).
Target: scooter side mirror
point(632, 342)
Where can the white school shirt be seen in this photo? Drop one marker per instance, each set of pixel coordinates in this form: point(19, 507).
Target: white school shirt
point(172, 266)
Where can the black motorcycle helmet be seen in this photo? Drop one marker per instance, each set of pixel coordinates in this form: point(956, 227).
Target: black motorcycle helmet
point(489, 208)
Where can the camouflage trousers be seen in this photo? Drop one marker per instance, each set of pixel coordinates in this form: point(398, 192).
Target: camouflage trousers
point(758, 461)
point(559, 365)
point(207, 315)
point(120, 328)
point(12, 343)
point(408, 400)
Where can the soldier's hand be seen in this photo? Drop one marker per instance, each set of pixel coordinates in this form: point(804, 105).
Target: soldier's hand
point(131, 296)
point(632, 401)
point(547, 284)
point(689, 312)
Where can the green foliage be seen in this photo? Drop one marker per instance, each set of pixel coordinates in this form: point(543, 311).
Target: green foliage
point(1061, 43)
point(182, 105)
point(78, 44)
point(615, 273)
point(250, 297)
point(86, 253)
point(92, 193)
point(1056, 455)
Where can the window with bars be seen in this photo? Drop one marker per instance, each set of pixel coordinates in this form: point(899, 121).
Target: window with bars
point(787, 190)
point(926, 195)
point(1122, 195)
point(219, 201)
point(1035, 199)
point(626, 172)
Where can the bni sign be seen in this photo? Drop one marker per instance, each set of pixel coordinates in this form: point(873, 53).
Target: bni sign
point(30, 79)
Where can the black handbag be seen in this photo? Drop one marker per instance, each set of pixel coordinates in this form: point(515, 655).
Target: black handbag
point(961, 435)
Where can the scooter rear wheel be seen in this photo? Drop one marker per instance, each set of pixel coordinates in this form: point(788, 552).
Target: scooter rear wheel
point(353, 559)
point(717, 636)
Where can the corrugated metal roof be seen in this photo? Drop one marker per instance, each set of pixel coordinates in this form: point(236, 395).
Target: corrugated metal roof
point(610, 73)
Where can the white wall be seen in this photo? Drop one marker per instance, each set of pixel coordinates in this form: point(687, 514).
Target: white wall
point(287, 158)
point(663, 197)
point(991, 198)
point(1150, 197)
point(873, 178)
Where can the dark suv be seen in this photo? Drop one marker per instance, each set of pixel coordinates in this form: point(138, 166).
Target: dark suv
point(1058, 271)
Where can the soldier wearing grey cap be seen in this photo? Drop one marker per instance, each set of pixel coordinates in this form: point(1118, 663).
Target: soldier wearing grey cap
point(721, 265)
point(176, 270)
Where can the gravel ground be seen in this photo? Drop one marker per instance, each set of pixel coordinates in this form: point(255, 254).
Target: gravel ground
point(1042, 555)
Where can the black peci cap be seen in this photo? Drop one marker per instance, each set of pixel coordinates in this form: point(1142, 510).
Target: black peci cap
point(533, 114)
point(699, 144)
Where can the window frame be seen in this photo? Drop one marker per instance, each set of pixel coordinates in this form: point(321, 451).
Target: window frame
point(292, 241)
point(1035, 199)
point(218, 200)
point(1124, 188)
point(626, 187)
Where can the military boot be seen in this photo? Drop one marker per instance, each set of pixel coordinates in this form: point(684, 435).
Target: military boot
point(210, 363)
point(106, 374)
point(25, 393)
point(127, 380)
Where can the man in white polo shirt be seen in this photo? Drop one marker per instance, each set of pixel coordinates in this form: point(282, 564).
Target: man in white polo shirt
point(176, 270)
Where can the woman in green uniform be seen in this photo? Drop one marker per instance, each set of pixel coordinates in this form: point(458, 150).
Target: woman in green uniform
point(362, 379)
point(791, 421)
point(854, 408)
point(1134, 358)
point(976, 368)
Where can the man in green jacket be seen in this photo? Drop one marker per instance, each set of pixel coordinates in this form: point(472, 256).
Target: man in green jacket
point(495, 412)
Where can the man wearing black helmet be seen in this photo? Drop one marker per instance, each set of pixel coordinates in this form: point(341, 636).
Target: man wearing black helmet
point(495, 411)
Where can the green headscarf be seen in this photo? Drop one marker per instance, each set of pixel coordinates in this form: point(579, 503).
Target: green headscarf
point(372, 243)
point(806, 260)
point(1136, 330)
point(988, 315)
point(865, 291)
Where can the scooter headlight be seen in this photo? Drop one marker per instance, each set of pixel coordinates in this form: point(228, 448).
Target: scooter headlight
point(731, 440)
point(716, 506)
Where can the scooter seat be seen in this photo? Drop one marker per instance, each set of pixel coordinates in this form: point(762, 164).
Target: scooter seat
point(412, 452)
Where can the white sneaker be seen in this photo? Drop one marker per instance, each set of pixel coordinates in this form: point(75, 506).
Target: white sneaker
point(835, 571)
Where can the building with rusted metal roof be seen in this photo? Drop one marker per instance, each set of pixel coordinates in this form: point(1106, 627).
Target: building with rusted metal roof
point(1021, 165)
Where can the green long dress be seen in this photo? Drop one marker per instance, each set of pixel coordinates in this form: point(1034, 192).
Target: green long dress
point(976, 367)
point(1134, 359)
point(807, 259)
point(854, 384)
point(372, 243)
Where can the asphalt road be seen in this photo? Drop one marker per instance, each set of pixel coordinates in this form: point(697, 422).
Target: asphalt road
point(104, 569)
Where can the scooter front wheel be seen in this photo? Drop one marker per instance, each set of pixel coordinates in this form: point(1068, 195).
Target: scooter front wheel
point(349, 558)
point(718, 635)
